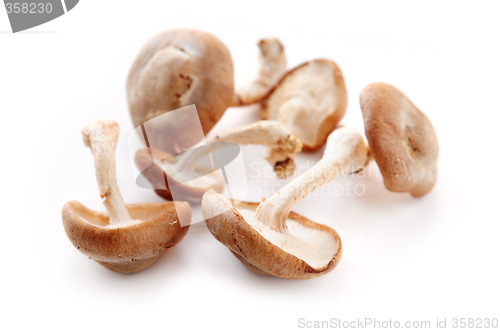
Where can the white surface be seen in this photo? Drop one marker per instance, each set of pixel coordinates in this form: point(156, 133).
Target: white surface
point(404, 258)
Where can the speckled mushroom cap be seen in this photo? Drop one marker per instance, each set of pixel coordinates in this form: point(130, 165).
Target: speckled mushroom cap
point(230, 228)
point(126, 248)
point(402, 139)
point(178, 68)
point(310, 100)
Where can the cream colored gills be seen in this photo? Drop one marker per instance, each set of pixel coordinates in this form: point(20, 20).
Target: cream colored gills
point(305, 96)
point(126, 224)
point(313, 246)
point(196, 177)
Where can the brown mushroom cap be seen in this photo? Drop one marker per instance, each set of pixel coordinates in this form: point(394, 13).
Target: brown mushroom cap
point(126, 248)
point(402, 139)
point(255, 251)
point(310, 100)
point(178, 68)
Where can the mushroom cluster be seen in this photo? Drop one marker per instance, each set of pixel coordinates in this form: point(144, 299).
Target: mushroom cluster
point(269, 238)
point(300, 109)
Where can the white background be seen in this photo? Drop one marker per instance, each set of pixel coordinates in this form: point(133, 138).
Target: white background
point(404, 258)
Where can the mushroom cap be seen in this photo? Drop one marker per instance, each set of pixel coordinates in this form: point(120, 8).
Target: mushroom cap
point(310, 100)
point(178, 68)
point(191, 191)
point(401, 138)
point(128, 248)
point(230, 228)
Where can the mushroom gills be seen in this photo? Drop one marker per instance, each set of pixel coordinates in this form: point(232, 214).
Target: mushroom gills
point(315, 247)
point(303, 99)
point(100, 223)
point(198, 177)
point(190, 172)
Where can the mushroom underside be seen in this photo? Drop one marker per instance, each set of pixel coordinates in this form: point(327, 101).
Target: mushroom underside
point(312, 245)
point(307, 249)
point(310, 100)
point(190, 188)
point(128, 248)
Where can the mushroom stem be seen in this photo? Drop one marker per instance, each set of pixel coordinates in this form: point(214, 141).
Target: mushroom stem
point(281, 144)
point(272, 61)
point(345, 153)
point(266, 132)
point(101, 136)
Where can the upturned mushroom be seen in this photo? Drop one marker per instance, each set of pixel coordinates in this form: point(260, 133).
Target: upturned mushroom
point(270, 239)
point(402, 139)
point(183, 67)
point(128, 238)
point(189, 173)
point(310, 100)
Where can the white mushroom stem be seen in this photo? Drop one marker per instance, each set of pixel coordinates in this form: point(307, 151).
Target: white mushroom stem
point(272, 61)
point(282, 145)
point(266, 132)
point(272, 134)
point(345, 153)
point(101, 136)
